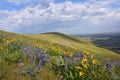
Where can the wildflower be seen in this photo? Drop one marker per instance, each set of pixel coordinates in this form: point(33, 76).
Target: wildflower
point(30, 71)
point(68, 58)
point(78, 67)
point(84, 60)
point(94, 61)
point(44, 60)
point(40, 64)
point(81, 73)
point(31, 57)
point(108, 65)
point(43, 54)
point(34, 57)
point(86, 53)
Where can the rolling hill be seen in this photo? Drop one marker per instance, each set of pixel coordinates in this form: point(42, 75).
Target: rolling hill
point(75, 43)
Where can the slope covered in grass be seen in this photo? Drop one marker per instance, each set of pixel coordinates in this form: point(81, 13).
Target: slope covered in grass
point(75, 43)
point(54, 56)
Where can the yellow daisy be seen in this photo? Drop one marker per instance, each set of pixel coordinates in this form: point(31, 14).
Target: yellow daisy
point(81, 73)
point(94, 61)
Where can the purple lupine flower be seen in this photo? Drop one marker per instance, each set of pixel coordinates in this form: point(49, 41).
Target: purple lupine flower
point(42, 54)
point(108, 65)
point(44, 60)
point(40, 64)
point(69, 58)
point(39, 56)
point(26, 50)
point(35, 50)
point(34, 57)
point(31, 57)
point(40, 49)
point(30, 71)
point(75, 55)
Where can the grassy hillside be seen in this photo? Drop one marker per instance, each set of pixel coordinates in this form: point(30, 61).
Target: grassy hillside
point(75, 43)
point(54, 56)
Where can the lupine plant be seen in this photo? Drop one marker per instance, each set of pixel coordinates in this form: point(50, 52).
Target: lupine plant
point(32, 61)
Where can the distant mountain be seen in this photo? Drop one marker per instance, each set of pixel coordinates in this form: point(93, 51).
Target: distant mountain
point(98, 34)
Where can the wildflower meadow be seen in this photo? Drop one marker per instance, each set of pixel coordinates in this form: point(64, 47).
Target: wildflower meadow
point(24, 58)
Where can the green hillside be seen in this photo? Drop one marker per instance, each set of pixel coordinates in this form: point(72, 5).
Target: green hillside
point(54, 56)
point(75, 43)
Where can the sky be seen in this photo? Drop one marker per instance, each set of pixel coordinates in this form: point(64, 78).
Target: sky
point(65, 16)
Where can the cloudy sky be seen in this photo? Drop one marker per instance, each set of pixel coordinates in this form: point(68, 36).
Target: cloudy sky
point(66, 16)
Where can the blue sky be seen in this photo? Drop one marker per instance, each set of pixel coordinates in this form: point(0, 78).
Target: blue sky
point(66, 16)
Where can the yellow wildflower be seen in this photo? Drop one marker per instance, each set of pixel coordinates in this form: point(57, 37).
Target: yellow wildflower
point(94, 61)
point(84, 60)
point(81, 73)
point(86, 53)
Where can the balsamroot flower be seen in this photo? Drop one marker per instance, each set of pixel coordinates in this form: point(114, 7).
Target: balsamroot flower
point(81, 73)
point(84, 61)
point(86, 53)
point(94, 61)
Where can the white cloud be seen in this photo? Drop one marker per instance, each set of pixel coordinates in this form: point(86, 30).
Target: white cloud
point(67, 14)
